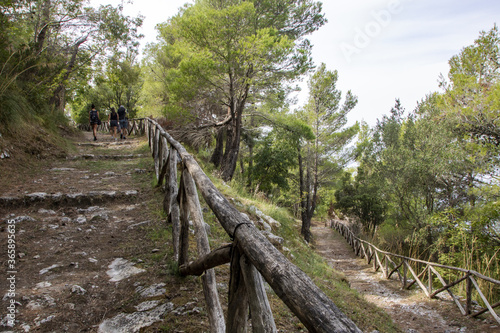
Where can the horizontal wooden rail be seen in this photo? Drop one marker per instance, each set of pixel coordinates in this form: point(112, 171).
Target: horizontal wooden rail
point(251, 252)
point(412, 265)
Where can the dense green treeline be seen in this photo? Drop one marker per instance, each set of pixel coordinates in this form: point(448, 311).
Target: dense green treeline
point(427, 184)
point(49, 53)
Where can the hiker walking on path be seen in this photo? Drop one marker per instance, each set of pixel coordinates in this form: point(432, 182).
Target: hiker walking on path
point(113, 122)
point(94, 120)
point(123, 121)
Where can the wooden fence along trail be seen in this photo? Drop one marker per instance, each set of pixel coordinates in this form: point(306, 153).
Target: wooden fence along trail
point(249, 254)
point(391, 263)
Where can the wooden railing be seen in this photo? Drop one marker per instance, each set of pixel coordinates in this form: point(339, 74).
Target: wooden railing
point(136, 126)
point(422, 273)
point(249, 254)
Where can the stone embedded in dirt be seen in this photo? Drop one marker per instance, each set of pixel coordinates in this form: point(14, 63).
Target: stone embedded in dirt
point(187, 309)
point(45, 270)
point(81, 219)
point(152, 291)
point(148, 305)
point(99, 217)
point(272, 222)
point(23, 218)
point(76, 289)
point(263, 225)
point(69, 306)
point(133, 322)
point(275, 240)
point(46, 211)
point(43, 301)
point(131, 192)
point(109, 173)
point(36, 196)
point(43, 321)
point(65, 220)
point(121, 269)
point(5, 154)
point(89, 209)
point(34, 305)
point(42, 285)
point(62, 169)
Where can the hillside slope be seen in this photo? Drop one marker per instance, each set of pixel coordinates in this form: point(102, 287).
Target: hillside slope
point(93, 250)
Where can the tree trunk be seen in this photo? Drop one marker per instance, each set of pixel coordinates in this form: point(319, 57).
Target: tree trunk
point(219, 147)
point(230, 157)
point(58, 99)
point(250, 159)
point(44, 26)
point(303, 199)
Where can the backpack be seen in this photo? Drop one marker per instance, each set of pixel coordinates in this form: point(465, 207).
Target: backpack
point(93, 116)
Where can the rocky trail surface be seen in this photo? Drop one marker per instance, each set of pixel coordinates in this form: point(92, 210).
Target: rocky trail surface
point(409, 309)
point(82, 234)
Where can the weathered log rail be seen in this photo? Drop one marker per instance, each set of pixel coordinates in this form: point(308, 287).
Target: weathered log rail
point(249, 254)
point(422, 273)
point(136, 126)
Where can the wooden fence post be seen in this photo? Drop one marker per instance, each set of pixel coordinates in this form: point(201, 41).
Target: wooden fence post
point(405, 272)
point(214, 308)
point(260, 309)
point(184, 224)
point(170, 202)
point(156, 148)
point(468, 302)
point(429, 283)
point(237, 308)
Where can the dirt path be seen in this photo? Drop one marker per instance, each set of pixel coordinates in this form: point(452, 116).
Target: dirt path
point(86, 255)
point(410, 310)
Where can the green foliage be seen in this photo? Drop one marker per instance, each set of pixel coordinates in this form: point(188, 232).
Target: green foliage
point(431, 176)
point(272, 162)
point(472, 97)
point(120, 83)
point(361, 198)
point(47, 50)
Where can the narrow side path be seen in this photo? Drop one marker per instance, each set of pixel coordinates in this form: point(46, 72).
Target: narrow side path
point(409, 309)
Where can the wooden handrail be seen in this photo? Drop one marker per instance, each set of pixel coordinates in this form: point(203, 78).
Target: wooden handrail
point(430, 269)
point(312, 307)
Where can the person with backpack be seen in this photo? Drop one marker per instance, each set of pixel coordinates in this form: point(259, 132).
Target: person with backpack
point(113, 122)
point(123, 121)
point(94, 120)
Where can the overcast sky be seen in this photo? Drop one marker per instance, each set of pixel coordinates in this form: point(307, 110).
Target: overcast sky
point(382, 49)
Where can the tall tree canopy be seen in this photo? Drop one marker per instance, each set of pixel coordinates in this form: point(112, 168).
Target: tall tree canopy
point(321, 159)
point(227, 52)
